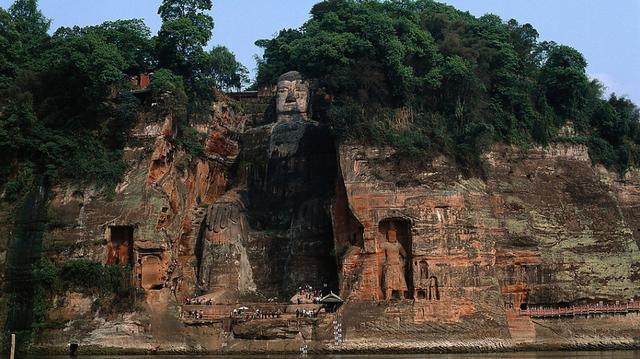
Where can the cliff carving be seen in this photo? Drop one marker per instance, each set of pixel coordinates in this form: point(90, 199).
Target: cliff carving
point(278, 218)
point(233, 250)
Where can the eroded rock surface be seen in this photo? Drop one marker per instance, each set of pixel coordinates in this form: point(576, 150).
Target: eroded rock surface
point(544, 228)
point(424, 255)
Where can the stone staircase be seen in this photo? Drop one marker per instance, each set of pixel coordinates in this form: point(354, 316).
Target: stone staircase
point(254, 106)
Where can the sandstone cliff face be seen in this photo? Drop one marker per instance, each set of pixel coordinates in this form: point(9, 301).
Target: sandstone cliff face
point(228, 226)
point(543, 228)
point(151, 223)
point(157, 209)
point(417, 251)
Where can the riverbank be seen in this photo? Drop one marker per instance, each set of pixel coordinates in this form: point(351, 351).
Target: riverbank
point(366, 346)
point(128, 336)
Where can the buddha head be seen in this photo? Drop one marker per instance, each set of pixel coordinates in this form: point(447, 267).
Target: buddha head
point(293, 95)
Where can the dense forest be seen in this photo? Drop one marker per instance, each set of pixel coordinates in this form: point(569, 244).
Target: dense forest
point(65, 99)
point(427, 79)
point(415, 74)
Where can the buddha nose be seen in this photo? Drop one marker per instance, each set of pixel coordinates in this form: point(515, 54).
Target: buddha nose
point(291, 97)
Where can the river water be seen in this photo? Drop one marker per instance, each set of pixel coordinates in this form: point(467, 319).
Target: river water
point(519, 355)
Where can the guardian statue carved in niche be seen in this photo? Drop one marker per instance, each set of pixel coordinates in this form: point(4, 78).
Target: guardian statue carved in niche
point(394, 284)
point(433, 292)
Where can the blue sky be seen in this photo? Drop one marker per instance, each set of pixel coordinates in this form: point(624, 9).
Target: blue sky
point(607, 32)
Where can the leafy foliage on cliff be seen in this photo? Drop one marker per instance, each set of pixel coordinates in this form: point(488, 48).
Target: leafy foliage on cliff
point(65, 100)
point(62, 113)
point(428, 78)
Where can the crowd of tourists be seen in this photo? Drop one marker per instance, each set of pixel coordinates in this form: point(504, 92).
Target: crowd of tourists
point(257, 314)
point(309, 294)
point(198, 301)
point(303, 313)
point(193, 314)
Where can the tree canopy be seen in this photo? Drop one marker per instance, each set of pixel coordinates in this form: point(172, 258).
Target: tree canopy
point(186, 30)
point(415, 74)
point(428, 79)
point(65, 100)
point(228, 72)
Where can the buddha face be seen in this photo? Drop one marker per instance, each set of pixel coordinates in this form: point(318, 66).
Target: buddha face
point(293, 94)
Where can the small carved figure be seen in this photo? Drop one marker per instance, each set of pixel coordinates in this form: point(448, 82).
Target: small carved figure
point(434, 293)
point(424, 270)
point(420, 277)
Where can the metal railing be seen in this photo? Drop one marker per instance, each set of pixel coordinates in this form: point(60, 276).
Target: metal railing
point(580, 310)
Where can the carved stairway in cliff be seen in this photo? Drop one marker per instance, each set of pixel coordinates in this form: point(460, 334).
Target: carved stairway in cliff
point(254, 104)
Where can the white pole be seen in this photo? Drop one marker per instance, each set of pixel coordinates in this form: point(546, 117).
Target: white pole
point(13, 346)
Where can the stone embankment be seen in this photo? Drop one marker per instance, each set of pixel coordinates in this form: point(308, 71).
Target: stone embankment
point(495, 345)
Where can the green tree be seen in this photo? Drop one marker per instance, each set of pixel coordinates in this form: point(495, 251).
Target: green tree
point(9, 52)
point(186, 29)
point(564, 79)
point(175, 9)
point(367, 47)
point(32, 25)
point(62, 111)
point(23, 33)
point(163, 82)
point(227, 71)
point(277, 58)
point(133, 40)
point(29, 19)
point(82, 67)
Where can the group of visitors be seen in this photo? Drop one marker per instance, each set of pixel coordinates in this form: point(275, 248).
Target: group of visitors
point(198, 301)
point(308, 294)
point(193, 314)
point(306, 313)
point(257, 314)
